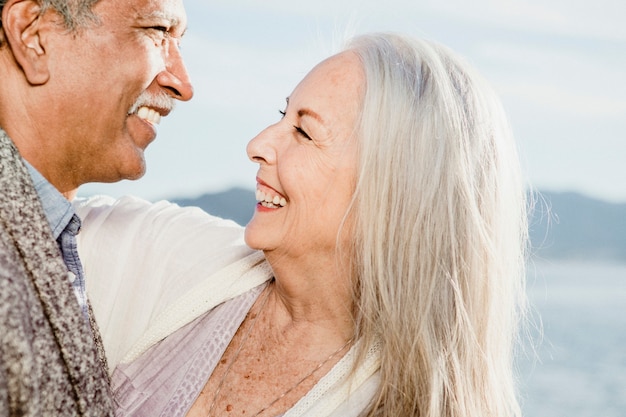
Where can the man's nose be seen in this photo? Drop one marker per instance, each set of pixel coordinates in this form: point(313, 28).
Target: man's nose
point(175, 78)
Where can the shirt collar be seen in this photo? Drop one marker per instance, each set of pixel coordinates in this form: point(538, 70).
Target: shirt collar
point(58, 209)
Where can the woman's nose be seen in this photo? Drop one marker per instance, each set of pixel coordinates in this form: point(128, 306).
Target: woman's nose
point(260, 149)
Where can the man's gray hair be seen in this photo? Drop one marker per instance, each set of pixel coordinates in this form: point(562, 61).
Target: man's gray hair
point(75, 13)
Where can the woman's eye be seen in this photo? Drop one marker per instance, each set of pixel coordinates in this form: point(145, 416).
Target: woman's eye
point(302, 132)
point(298, 129)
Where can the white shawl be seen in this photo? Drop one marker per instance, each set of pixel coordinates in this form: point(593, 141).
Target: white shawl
point(152, 268)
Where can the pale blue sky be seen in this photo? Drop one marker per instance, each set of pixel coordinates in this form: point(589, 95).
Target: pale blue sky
point(559, 65)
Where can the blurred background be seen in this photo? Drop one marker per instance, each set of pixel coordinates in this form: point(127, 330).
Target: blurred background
point(560, 68)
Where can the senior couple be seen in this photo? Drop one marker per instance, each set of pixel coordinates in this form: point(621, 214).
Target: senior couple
point(381, 273)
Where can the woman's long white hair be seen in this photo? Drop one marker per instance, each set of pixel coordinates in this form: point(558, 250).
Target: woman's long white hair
point(440, 233)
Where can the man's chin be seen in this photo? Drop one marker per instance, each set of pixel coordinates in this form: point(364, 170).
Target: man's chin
point(136, 174)
point(131, 171)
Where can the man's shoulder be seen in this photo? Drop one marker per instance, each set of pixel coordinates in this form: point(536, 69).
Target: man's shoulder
point(16, 187)
point(11, 265)
point(21, 213)
point(16, 287)
point(9, 155)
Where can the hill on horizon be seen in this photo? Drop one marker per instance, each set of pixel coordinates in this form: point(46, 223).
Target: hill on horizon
point(562, 225)
point(569, 225)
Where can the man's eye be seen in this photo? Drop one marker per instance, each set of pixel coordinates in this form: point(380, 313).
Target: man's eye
point(160, 32)
point(282, 113)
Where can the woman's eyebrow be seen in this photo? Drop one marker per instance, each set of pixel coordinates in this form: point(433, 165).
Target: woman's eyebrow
point(310, 113)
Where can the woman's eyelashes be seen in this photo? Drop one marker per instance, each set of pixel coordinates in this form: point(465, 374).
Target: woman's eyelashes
point(298, 129)
point(302, 132)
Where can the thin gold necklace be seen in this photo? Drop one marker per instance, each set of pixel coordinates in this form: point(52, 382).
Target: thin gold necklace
point(245, 338)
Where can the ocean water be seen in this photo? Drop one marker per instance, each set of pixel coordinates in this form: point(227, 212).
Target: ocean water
point(578, 367)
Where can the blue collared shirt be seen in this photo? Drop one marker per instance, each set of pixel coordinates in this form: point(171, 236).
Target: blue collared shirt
point(65, 225)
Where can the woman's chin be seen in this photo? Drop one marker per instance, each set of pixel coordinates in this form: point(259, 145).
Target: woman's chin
point(252, 238)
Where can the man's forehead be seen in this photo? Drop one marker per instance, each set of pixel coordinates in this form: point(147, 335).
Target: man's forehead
point(172, 11)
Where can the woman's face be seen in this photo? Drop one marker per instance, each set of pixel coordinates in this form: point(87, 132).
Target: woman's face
point(307, 163)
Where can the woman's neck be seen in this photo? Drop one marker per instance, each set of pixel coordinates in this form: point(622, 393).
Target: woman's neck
point(308, 299)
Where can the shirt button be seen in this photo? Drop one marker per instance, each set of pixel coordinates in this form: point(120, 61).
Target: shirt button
point(71, 276)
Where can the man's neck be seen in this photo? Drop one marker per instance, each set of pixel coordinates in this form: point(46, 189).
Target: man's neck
point(57, 208)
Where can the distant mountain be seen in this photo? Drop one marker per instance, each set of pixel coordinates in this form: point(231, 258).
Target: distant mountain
point(236, 204)
point(562, 225)
point(570, 225)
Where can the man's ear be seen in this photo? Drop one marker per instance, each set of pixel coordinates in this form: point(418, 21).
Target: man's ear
point(22, 25)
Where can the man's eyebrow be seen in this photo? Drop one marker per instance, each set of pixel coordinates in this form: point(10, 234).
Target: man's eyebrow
point(159, 14)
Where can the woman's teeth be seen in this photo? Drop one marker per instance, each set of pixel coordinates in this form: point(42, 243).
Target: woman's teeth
point(267, 200)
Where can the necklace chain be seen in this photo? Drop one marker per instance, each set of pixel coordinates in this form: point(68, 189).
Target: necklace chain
point(243, 341)
point(304, 378)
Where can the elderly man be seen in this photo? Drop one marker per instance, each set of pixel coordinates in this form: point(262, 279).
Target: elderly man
point(83, 84)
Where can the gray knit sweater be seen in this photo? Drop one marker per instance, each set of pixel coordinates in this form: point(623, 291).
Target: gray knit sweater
point(50, 364)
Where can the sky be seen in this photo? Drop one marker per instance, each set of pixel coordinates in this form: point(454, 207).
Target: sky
point(559, 67)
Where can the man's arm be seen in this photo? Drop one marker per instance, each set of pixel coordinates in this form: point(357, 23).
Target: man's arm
point(152, 267)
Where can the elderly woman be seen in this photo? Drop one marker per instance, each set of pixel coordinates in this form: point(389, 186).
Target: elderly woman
point(391, 212)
